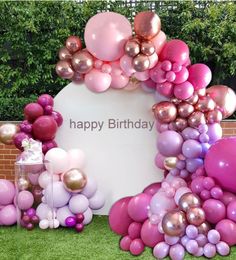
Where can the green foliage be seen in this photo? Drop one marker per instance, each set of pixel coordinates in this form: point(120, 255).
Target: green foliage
point(33, 31)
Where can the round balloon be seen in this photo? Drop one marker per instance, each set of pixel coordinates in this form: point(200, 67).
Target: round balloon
point(7, 192)
point(7, 132)
point(8, 215)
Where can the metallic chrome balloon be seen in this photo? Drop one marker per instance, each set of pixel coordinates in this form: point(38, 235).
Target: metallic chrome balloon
point(147, 25)
point(22, 184)
point(196, 118)
point(180, 124)
point(201, 92)
point(174, 223)
point(74, 180)
point(7, 132)
point(147, 48)
point(196, 216)
point(165, 112)
point(224, 98)
point(64, 54)
point(82, 62)
point(193, 99)
point(170, 162)
point(132, 48)
point(189, 200)
point(205, 104)
point(214, 116)
point(73, 44)
point(185, 109)
point(204, 228)
point(64, 69)
point(141, 62)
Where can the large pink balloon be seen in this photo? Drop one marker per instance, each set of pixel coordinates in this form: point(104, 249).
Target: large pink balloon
point(7, 192)
point(8, 215)
point(119, 219)
point(159, 41)
point(220, 163)
point(97, 81)
point(106, 34)
point(152, 188)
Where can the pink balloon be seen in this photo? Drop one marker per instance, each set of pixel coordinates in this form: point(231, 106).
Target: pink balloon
point(106, 34)
point(184, 91)
point(175, 51)
point(152, 188)
point(119, 219)
point(150, 234)
point(165, 89)
point(153, 59)
point(119, 81)
point(138, 207)
point(159, 41)
point(142, 76)
point(125, 243)
point(134, 230)
point(220, 163)
point(25, 200)
point(181, 76)
point(97, 81)
point(215, 210)
point(159, 161)
point(227, 230)
point(8, 215)
point(199, 75)
point(7, 192)
point(76, 158)
point(126, 64)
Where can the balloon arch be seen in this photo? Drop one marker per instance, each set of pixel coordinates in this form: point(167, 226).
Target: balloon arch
point(193, 208)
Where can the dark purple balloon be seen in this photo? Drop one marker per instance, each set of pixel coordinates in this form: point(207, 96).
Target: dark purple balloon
point(30, 226)
point(45, 100)
point(26, 219)
point(57, 117)
point(79, 227)
point(35, 219)
point(70, 221)
point(19, 137)
point(48, 110)
point(48, 145)
point(31, 212)
point(79, 218)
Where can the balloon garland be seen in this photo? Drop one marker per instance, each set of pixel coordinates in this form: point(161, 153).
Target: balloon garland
point(193, 208)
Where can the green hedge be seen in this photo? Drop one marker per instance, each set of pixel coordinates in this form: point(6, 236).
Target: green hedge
point(33, 31)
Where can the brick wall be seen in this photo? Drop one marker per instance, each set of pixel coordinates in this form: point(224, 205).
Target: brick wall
point(8, 153)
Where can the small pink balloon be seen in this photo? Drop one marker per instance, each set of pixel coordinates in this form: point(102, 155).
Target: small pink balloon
point(125, 243)
point(159, 41)
point(182, 75)
point(134, 230)
point(159, 161)
point(184, 90)
point(119, 81)
point(136, 247)
point(153, 60)
point(97, 81)
point(126, 64)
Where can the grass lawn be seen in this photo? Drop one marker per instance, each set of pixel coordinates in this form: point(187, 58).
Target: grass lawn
point(97, 242)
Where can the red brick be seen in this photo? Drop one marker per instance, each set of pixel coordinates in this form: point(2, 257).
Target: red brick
point(229, 124)
point(10, 156)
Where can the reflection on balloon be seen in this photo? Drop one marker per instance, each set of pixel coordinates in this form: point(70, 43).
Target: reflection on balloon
point(141, 62)
point(170, 162)
point(64, 69)
point(165, 112)
point(132, 48)
point(73, 44)
point(7, 132)
point(82, 62)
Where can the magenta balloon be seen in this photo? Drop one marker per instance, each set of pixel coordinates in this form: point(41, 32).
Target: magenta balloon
point(184, 90)
point(106, 34)
point(152, 188)
point(119, 219)
point(215, 210)
point(220, 163)
point(191, 149)
point(45, 100)
point(231, 211)
point(228, 197)
point(138, 207)
point(18, 138)
point(159, 161)
point(150, 234)
point(169, 143)
point(199, 75)
point(7, 192)
point(214, 132)
point(175, 51)
point(227, 230)
point(8, 215)
point(57, 117)
point(32, 111)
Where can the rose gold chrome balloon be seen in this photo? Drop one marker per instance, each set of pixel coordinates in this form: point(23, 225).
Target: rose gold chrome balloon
point(82, 62)
point(147, 48)
point(64, 69)
point(78, 77)
point(73, 44)
point(141, 62)
point(224, 97)
point(193, 99)
point(174, 223)
point(165, 112)
point(23, 184)
point(7, 132)
point(74, 180)
point(64, 54)
point(170, 162)
point(189, 200)
point(147, 25)
point(132, 48)
point(180, 124)
point(196, 216)
point(214, 116)
point(204, 228)
point(196, 118)
point(176, 101)
point(185, 109)
point(205, 104)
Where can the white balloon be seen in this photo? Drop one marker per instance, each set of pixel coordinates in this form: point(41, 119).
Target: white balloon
point(42, 211)
point(76, 158)
point(88, 216)
point(78, 204)
point(45, 178)
point(44, 224)
point(56, 223)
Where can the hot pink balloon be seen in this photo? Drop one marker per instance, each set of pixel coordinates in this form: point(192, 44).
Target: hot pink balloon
point(199, 75)
point(152, 188)
point(159, 41)
point(97, 81)
point(227, 230)
point(106, 34)
point(119, 219)
point(184, 91)
point(126, 64)
point(159, 161)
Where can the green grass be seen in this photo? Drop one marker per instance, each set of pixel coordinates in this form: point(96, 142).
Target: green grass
point(97, 242)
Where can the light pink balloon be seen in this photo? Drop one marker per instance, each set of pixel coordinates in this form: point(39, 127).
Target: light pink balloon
point(159, 161)
point(76, 158)
point(119, 81)
point(97, 81)
point(153, 59)
point(106, 34)
point(25, 200)
point(159, 41)
point(126, 65)
point(142, 76)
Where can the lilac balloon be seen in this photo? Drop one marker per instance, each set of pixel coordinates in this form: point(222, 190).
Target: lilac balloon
point(42, 211)
point(70, 221)
point(177, 252)
point(78, 204)
point(184, 240)
point(97, 201)
point(193, 164)
point(209, 250)
point(25, 200)
point(214, 132)
point(190, 133)
point(201, 240)
point(205, 148)
point(62, 214)
point(161, 250)
point(222, 248)
point(56, 195)
point(152, 189)
point(192, 231)
point(8, 215)
point(90, 188)
point(213, 236)
point(192, 247)
point(191, 149)
point(88, 216)
point(169, 143)
point(171, 240)
point(7, 192)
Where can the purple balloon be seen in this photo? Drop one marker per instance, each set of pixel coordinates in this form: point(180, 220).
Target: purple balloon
point(31, 212)
point(177, 252)
point(214, 132)
point(88, 216)
point(78, 204)
point(25, 200)
point(192, 247)
point(169, 143)
point(193, 164)
point(97, 201)
point(18, 138)
point(7, 192)
point(213, 236)
point(70, 221)
point(223, 248)
point(90, 188)
point(152, 189)
point(161, 250)
point(57, 117)
point(8, 215)
point(215, 210)
point(159, 161)
point(191, 231)
point(191, 149)
point(62, 214)
point(209, 250)
point(190, 133)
